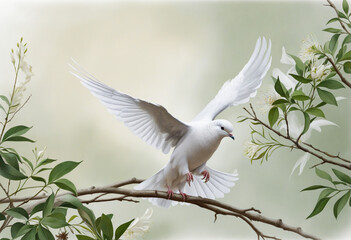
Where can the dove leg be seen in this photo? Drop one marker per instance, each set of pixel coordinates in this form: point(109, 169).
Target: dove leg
point(206, 175)
point(170, 193)
point(201, 170)
point(189, 178)
point(184, 196)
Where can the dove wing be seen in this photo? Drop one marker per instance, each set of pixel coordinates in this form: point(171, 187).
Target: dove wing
point(150, 122)
point(244, 86)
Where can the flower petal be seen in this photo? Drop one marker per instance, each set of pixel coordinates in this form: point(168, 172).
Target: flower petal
point(301, 163)
point(286, 59)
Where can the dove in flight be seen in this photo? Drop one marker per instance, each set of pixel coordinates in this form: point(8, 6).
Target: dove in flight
point(194, 143)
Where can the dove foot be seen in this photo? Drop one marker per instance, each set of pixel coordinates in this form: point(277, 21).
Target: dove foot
point(206, 175)
point(189, 177)
point(170, 193)
point(184, 196)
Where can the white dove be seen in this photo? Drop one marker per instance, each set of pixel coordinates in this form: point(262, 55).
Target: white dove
point(194, 142)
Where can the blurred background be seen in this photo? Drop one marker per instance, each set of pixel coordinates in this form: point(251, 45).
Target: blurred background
point(177, 54)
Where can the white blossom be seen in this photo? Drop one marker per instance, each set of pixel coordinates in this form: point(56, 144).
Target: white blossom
point(266, 99)
point(309, 48)
point(139, 226)
point(250, 149)
point(319, 70)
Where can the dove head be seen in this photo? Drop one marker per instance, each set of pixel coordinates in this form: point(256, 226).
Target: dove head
point(224, 128)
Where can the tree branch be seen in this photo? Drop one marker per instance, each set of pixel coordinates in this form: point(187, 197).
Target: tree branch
point(343, 79)
point(336, 11)
point(248, 215)
point(295, 142)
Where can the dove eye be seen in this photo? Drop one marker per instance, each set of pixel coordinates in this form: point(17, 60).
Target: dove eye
point(222, 128)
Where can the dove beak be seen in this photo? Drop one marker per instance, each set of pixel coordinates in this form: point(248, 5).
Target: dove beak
point(231, 136)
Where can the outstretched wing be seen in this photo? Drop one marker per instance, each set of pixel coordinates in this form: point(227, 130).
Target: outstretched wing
point(244, 86)
point(150, 122)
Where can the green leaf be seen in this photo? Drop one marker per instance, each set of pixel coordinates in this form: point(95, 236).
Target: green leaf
point(316, 112)
point(334, 42)
point(299, 95)
point(18, 212)
point(106, 226)
point(342, 176)
point(347, 67)
point(18, 139)
point(280, 101)
point(293, 109)
point(37, 208)
point(314, 187)
point(280, 89)
point(66, 184)
point(55, 220)
point(28, 162)
point(30, 235)
point(331, 84)
point(62, 169)
point(15, 228)
point(46, 161)
point(16, 131)
point(11, 159)
point(49, 204)
point(345, 6)
point(273, 116)
point(10, 172)
point(2, 108)
point(332, 30)
point(44, 234)
point(332, 20)
point(340, 203)
point(122, 228)
point(300, 78)
point(347, 40)
point(327, 97)
point(38, 179)
point(341, 15)
point(83, 237)
point(5, 99)
point(325, 193)
point(300, 67)
point(307, 122)
point(323, 174)
point(347, 56)
point(2, 217)
point(319, 207)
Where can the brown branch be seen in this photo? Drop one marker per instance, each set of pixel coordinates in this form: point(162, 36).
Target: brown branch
point(336, 10)
point(295, 142)
point(325, 153)
point(343, 79)
point(248, 215)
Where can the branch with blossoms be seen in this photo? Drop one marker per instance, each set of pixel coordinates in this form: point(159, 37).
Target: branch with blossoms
point(296, 107)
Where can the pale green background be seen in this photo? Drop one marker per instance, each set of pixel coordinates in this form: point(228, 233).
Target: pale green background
point(178, 55)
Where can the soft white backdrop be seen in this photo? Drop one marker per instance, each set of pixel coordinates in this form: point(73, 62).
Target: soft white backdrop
point(177, 54)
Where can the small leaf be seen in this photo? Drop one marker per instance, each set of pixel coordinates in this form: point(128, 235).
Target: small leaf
point(323, 174)
point(5, 99)
point(332, 30)
point(340, 203)
point(11, 159)
point(30, 235)
point(347, 40)
point(273, 116)
point(28, 162)
point(122, 228)
point(316, 112)
point(332, 20)
point(347, 67)
point(331, 84)
point(10, 172)
point(333, 42)
point(38, 179)
point(49, 204)
point(341, 15)
point(62, 169)
point(55, 220)
point(319, 207)
point(300, 67)
point(347, 56)
point(83, 237)
point(325, 193)
point(300, 78)
point(280, 101)
point(314, 187)
point(16, 131)
point(280, 89)
point(299, 95)
point(18, 212)
point(293, 109)
point(307, 122)
point(106, 226)
point(2, 217)
point(46, 161)
point(342, 176)
point(44, 234)
point(15, 229)
point(18, 139)
point(327, 97)
point(37, 208)
point(66, 184)
point(345, 6)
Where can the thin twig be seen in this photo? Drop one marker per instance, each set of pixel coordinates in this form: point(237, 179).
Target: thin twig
point(328, 154)
point(343, 79)
point(336, 10)
point(13, 115)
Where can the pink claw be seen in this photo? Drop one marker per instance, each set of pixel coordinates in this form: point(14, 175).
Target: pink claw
point(184, 196)
point(189, 177)
point(206, 175)
point(170, 193)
